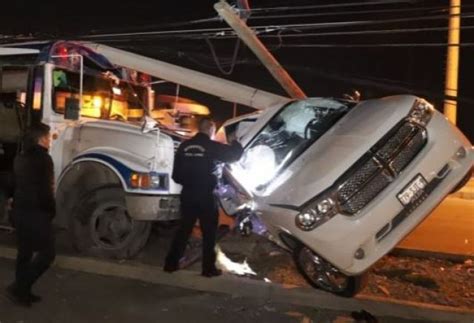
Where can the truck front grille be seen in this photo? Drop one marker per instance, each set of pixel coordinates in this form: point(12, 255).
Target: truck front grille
point(379, 166)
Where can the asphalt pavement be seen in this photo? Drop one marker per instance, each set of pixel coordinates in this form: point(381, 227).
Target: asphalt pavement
point(132, 292)
point(77, 297)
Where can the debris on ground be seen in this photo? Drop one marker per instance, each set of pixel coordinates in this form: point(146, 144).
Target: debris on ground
point(425, 280)
point(224, 263)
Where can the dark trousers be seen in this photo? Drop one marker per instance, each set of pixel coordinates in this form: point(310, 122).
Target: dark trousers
point(205, 210)
point(36, 252)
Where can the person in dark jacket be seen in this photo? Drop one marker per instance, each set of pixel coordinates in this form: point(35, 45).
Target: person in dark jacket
point(34, 207)
point(195, 169)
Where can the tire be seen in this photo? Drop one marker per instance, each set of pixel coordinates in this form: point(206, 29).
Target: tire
point(462, 182)
point(100, 225)
point(322, 275)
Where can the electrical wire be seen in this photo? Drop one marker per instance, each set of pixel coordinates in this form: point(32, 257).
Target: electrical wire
point(158, 26)
point(376, 45)
point(222, 32)
point(339, 5)
point(365, 22)
point(353, 12)
point(216, 58)
point(215, 19)
point(368, 81)
point(362, 32)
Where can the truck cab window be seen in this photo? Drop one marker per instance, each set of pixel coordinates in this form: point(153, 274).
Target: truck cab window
point(102, 98)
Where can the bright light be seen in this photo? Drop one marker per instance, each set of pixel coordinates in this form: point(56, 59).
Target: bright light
point(257, 167)
point(227, 265)
point(97, 102)
point(116, 91)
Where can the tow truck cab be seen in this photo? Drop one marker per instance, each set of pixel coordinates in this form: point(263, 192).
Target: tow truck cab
point(112, 177)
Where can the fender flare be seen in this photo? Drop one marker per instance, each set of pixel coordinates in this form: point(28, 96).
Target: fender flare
point(119, 169)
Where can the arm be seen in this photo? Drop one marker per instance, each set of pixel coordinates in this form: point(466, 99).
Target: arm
point(48, 201)
point(226, 153)
point(178, 167)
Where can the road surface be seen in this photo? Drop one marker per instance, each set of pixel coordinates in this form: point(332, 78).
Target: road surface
point(75, 297)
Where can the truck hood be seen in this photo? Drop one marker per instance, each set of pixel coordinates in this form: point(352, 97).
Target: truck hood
point(337, 150)
point(127, 139)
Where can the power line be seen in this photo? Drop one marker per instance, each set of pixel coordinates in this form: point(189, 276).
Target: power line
point(295, 35)
point(167, 25)
point(361, 32)
point(257, 17)
point(217, 60)
point(222, 32)
point(341, 5)
point(376, 45)
point(365, 22)
point(352, 12)
point(373, 82)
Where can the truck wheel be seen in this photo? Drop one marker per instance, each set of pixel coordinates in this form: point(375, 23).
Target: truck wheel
point(100, 225)
point(322, 275)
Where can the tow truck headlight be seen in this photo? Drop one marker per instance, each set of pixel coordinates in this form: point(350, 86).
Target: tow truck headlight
point(316, 214)
point(145, 181)
point(421, 112)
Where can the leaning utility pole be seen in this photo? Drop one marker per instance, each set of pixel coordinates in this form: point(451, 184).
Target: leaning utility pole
point(250, 39)
point(452, 61)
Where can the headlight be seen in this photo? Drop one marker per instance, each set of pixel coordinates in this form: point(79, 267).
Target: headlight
point(146, 181)
point(316, 214)
point(421, 112)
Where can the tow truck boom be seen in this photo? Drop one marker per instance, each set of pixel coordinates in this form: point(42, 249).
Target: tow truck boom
point(225, 89)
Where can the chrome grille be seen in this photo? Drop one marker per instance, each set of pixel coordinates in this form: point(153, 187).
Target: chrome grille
point(358, 178)
point(409, 151)
point(369, 176)
point(394, 143)
point(366, 194)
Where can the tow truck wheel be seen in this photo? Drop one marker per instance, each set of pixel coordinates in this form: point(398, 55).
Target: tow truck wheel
point(322, 275)
point(100, 225)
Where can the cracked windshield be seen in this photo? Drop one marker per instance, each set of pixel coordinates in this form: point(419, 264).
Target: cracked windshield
point(287, 135)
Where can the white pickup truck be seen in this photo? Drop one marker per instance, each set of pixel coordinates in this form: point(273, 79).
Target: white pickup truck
point(339, 183)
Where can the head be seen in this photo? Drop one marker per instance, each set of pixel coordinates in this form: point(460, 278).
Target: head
point(38, 134)
point(207, 126)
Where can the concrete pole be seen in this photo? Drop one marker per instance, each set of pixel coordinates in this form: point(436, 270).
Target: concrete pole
point(225, 89)
point(250, 39)
point(452, 61)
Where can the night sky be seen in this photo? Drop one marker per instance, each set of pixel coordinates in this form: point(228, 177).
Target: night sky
point(381, 57)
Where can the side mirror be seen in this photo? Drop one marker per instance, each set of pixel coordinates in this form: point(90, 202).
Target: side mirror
point(353, 96)
point(72, 109)
point(149, 124)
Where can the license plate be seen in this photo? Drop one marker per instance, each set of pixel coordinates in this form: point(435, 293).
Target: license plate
point(412, 191)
